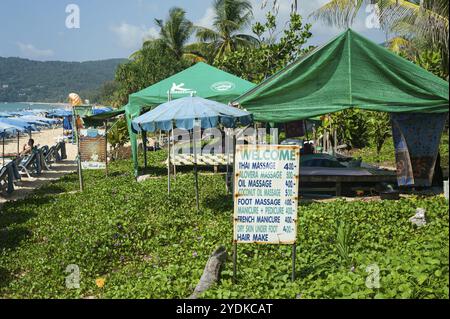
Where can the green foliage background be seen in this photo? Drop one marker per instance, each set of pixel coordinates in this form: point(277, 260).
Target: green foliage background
point(53, 81)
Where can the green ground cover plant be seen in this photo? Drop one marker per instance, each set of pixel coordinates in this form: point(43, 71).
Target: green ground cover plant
point(145, 243)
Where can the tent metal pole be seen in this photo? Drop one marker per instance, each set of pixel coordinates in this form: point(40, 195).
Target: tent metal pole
point(196, 170)
point(144, 143)
point(168, 172)
point(173, 147)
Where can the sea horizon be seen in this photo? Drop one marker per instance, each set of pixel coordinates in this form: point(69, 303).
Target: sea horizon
point(19, 106)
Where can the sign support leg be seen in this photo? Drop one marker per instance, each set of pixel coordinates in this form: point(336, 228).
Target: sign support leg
point(235, 252)
point(294, 257)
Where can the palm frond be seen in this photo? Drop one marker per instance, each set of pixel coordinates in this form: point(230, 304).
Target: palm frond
point(340, 13)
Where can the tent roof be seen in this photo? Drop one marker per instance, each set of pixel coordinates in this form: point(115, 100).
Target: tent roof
point(204, 80)
point(349, 71)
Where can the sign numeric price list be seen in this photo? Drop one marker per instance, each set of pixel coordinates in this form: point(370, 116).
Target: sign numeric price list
point(266, 194)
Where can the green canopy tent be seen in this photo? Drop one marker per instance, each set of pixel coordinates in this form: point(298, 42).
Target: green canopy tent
point(201, 80)
point(349, 71)
point(99, 119)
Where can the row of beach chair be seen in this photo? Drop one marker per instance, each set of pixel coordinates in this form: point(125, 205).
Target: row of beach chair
point(32, 164)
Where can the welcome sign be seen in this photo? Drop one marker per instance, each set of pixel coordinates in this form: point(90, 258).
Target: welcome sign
point(93, 148)
point(266, 194)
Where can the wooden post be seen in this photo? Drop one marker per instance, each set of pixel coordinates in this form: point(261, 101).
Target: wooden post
point(18, 144)
point(80, 169)
point(4, 133)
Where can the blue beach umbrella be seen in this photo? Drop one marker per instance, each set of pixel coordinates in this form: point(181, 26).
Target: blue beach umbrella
point(184, 112)
point(6, 129)
point(31, 118)
point(19, 123)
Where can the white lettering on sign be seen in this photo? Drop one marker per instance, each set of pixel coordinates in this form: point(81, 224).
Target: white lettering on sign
point(266, 194)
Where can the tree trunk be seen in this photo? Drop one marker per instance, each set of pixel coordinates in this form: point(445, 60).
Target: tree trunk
point(211, 274)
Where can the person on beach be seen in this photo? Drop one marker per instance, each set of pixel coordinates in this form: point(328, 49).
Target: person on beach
point(27, 148)
point(79, 123)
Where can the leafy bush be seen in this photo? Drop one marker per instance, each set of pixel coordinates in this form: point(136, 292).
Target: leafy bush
point(147, 244)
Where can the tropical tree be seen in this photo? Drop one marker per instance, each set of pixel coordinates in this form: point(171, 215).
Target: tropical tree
point(153, 63)
point(422, 22)
point(231, 18)
point(273, 52)
point(175, 32)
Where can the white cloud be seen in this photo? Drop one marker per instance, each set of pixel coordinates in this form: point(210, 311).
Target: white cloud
point(207, 20)
point(131, 36)
point(30, 51)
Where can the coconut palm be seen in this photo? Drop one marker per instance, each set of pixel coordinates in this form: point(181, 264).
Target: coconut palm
point(425, 21)
point(175, 33)
point(231, 18)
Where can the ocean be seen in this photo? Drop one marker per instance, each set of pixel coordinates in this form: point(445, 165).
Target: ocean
point(8, 107)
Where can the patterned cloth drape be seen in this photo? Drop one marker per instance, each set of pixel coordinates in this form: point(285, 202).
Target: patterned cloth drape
point(416, 140)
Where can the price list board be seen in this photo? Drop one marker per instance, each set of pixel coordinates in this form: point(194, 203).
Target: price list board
point(266, 194)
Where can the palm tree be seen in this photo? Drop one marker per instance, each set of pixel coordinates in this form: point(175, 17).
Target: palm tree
point(424, 21)
point(176, 31)
point(231, 18)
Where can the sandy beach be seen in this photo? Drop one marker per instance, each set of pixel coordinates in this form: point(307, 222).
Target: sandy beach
point(28, 185)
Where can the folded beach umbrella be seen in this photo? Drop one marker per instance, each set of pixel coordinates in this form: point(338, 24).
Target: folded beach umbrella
point(7, 129)
point(59, 113)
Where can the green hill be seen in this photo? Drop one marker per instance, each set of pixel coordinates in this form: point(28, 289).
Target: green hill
point(23, 80)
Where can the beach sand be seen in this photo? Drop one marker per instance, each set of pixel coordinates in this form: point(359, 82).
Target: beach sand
point(28, 185)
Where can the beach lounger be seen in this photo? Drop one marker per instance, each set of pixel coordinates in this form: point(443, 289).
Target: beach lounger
point(29, 163)
point(42, 152)
point(8, 175)
point(51, 156)
point(61, 148)
point(3, 179)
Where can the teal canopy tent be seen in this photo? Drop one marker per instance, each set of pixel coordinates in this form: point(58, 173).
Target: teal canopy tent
point(200, 80)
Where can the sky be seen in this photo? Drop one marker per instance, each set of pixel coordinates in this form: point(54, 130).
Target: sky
point(49, 30)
